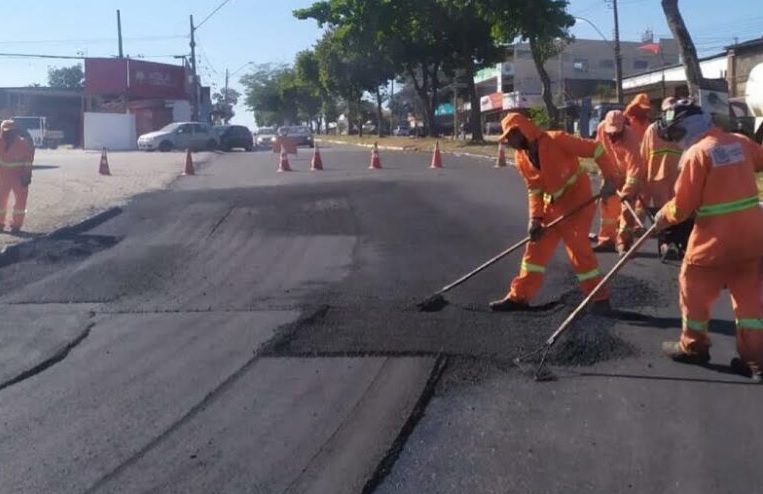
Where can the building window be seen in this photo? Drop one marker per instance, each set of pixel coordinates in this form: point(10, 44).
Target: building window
point(640, 64)
point(607, 64)
point(580, 65)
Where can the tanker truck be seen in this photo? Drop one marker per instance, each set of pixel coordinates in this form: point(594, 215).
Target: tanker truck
point(747, 112)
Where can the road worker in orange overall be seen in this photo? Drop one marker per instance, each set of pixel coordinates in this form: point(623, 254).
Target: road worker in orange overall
point(16, 157)
point(557, 184)
point(638, 114)
point(661, 158)
point(716, 184)
point(622, 144)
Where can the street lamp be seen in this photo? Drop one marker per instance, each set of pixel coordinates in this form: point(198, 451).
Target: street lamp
point(618, 57)
point(228, 76)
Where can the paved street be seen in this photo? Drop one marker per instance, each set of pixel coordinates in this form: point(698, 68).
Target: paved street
point(252, 331)
point(66, 187)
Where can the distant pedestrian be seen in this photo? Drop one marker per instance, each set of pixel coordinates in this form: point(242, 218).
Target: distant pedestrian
point(16, 158)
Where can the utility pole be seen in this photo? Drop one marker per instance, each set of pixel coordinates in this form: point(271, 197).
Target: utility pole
point(618, 56)
point(194, 84)
point(225, 92)
point(119, 34)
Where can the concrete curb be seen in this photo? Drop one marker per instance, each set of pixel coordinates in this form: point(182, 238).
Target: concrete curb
point(10, 253)
point(399, 148)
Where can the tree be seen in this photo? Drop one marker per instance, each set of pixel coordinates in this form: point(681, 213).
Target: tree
point(224, 101)
point(694, 79)
point(469, 29)
point(66, 77)
point(545, 24)
point(312, 94)
point(263, 93)
point(352, 55)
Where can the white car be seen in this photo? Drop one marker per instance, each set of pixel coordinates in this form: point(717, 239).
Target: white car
point(180, 135)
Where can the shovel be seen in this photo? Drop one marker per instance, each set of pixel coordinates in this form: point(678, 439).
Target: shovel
point(437, 302)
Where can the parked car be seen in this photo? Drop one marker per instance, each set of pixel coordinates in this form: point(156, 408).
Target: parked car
point(180, 135)
point(403, 129)
point(301, 134)
point(235, 136)
point(265, 137)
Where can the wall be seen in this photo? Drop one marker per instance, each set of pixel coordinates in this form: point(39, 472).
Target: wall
point(113, 131)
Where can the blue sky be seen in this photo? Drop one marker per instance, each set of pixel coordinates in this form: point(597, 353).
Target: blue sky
point(263, 31)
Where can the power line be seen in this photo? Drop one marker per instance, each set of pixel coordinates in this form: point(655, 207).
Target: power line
point(213, 13)
point(91, 40)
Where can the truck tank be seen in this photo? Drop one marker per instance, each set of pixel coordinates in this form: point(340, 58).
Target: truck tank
point(754, 99)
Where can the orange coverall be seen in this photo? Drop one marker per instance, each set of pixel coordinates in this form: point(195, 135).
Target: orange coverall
point(15, 166)
point(661, 158)
point(717, 181)
point(637, 113)
point(617, 224)
point(557, 186)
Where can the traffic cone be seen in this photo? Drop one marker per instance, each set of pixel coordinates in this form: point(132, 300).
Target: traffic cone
point(436, 156)
point(375, 160)
point(317, 163)
point(103, 168)
point(501, 162)
point(189, 170)
point(283, 162)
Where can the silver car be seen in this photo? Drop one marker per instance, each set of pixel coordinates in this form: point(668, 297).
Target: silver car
point(265, 138)
point(180, 135)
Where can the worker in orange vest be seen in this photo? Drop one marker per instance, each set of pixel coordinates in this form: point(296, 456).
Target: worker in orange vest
point(638, 112)
point(557, 184)
point(622, 144)
point(16, 157)
point(661, 158)
point(717, 185)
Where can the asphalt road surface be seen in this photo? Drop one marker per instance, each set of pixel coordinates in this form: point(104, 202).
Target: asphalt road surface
point(255, 331)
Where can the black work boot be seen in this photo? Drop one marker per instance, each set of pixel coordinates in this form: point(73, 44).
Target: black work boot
point(673, 350)
point(508, 305)
point(604, 247)
point(601, 308)
point(738, 366)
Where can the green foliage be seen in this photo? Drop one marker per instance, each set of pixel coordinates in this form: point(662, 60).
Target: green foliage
point(224, 101)
point(539, 115)
point(66, 77)
point(426, 43)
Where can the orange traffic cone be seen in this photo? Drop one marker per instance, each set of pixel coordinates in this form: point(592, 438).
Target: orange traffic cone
point(436, 156)
point(501, 161)
point(375, 160)
point(189, 170)
point(283, 162)
point(317, 163)
point(103, 168)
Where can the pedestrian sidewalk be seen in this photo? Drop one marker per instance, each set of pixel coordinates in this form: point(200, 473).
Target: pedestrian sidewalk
point(66, 187)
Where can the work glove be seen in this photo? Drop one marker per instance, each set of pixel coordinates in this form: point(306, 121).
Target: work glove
point(26, 178)
point(660, 221)
point(535, 229)
point(608, 189)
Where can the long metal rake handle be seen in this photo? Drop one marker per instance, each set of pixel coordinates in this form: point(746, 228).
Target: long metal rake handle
point(633, 213)
point(565, 325)
point(628, 255)
point(517, 245)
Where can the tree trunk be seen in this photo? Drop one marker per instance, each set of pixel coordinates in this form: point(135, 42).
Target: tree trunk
point(429, 117)
point(548, 98)
point(475, 113)
point(422, 90)
point(379, 113)
point(358, 102)
point(694, 79)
